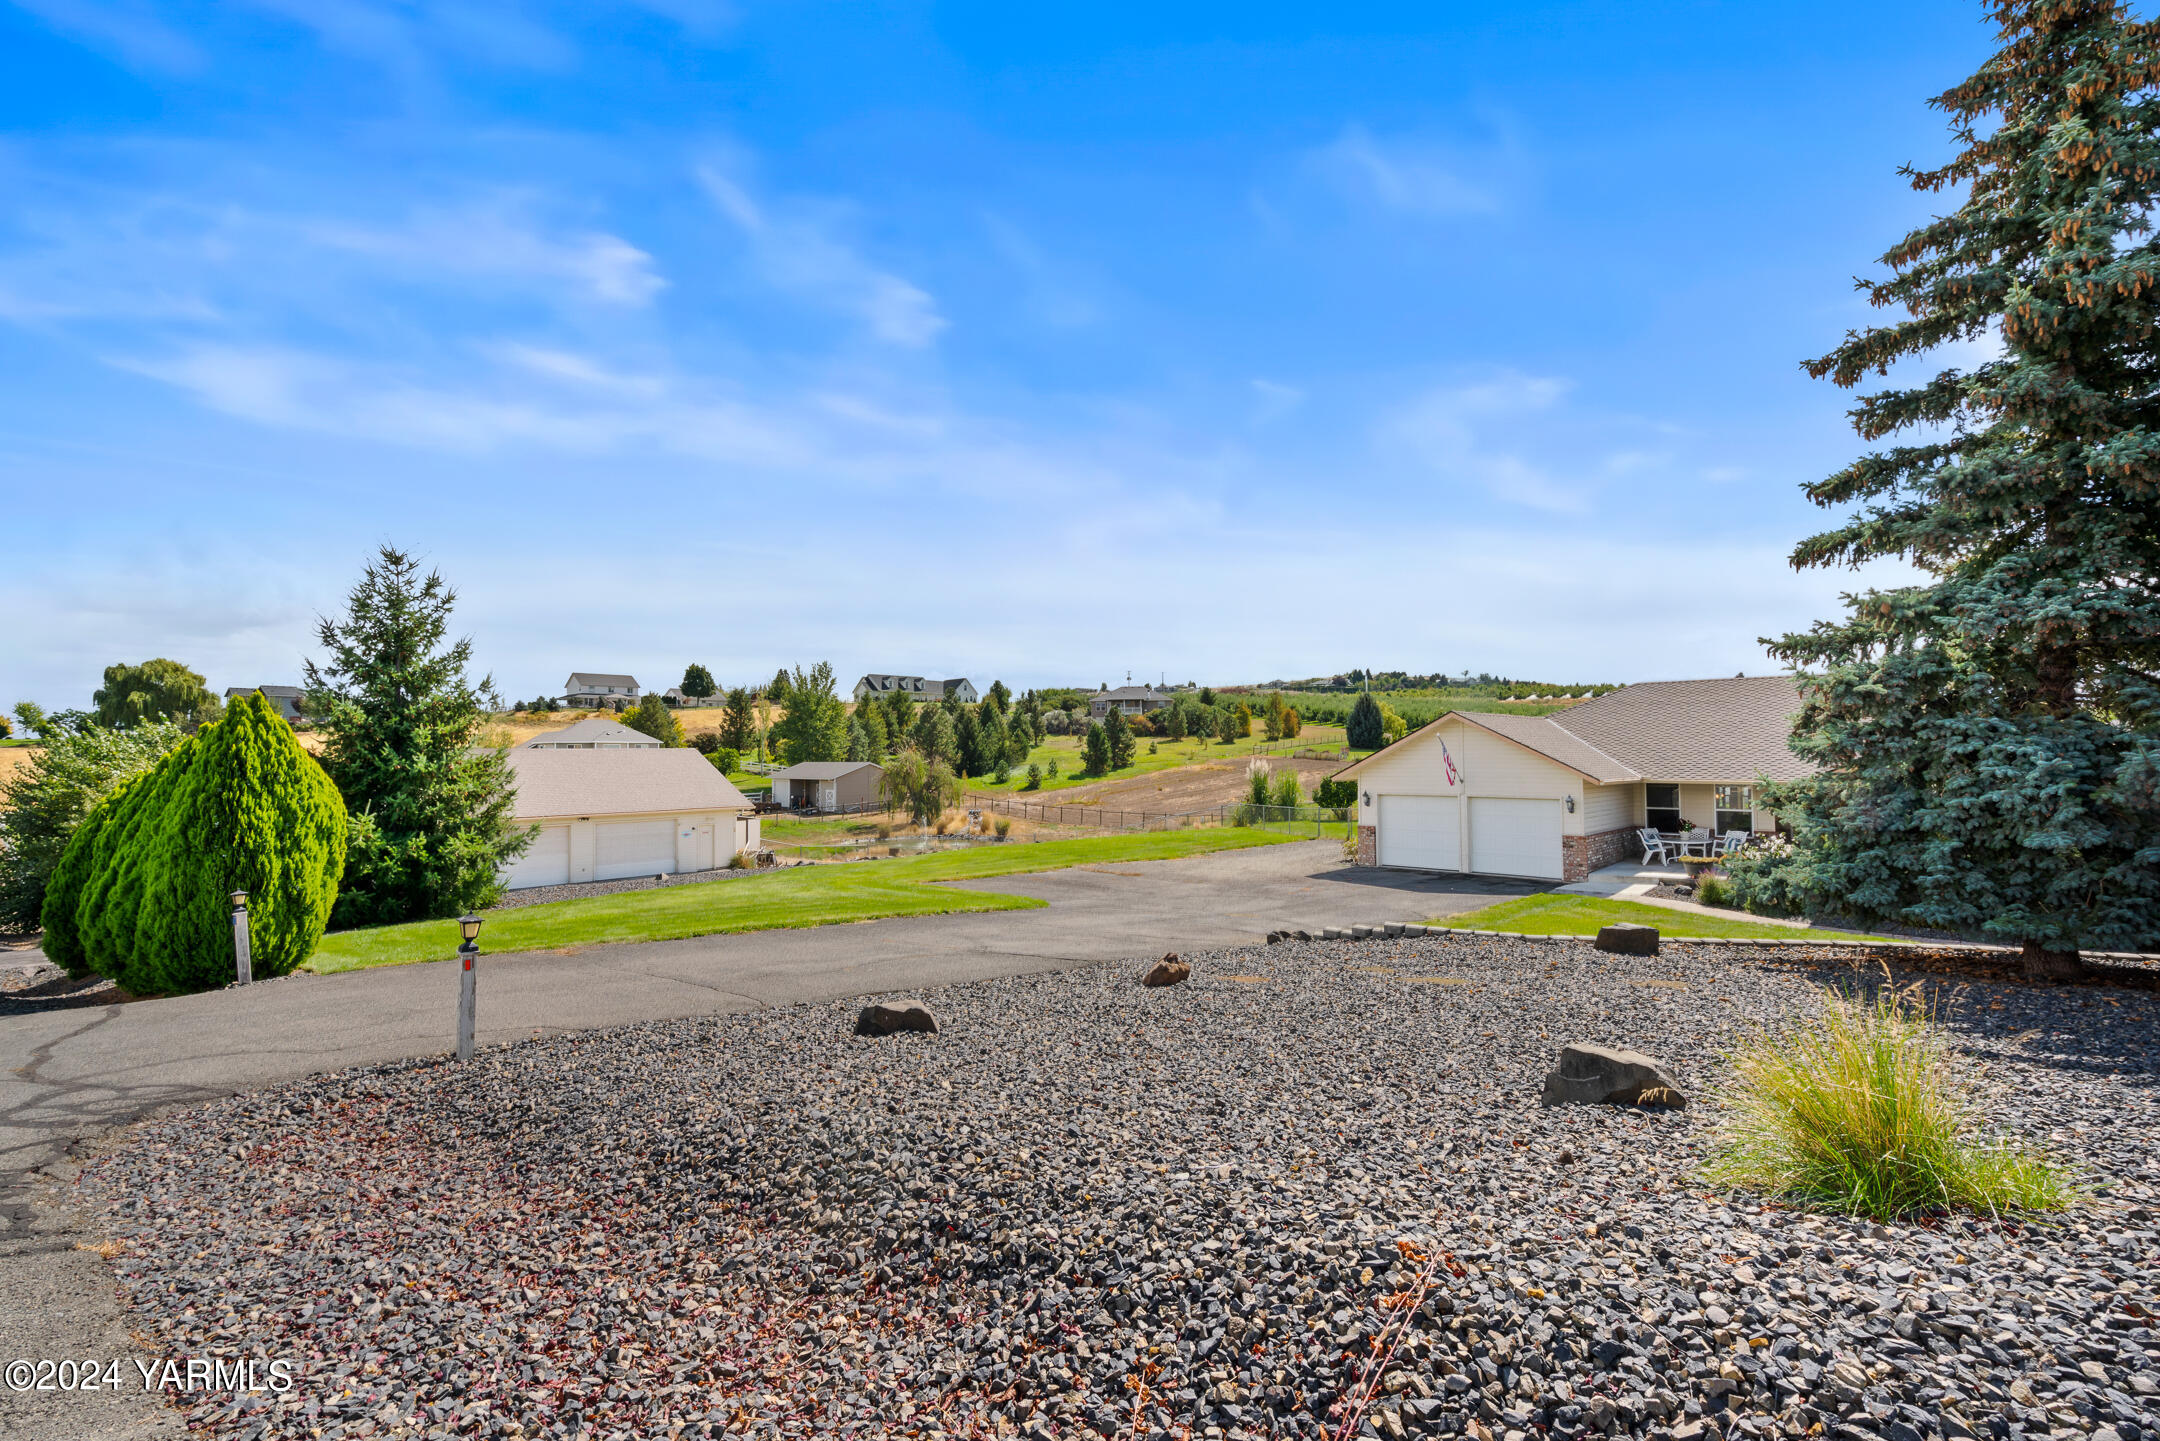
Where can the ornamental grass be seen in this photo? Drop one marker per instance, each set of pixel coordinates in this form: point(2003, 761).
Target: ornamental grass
point(1861, 1109)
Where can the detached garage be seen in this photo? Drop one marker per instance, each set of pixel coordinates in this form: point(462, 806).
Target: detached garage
point(608, 814)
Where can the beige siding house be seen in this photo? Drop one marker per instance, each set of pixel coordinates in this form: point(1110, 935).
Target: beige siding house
point(609, 813)
point(1556, 797)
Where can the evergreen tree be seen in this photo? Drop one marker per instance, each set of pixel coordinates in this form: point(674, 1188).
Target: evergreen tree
point(858, 739)
point(43, 803)
point(1275, 720)
point(1095, 751)
point(969, 758)
point(738, 726)
point(815, 726)
point(1119, 732)
point(872, 719)
point(697, 682)
point(1207, 697)
point(776, 690)
point(1019, 740)
point(401, 739)
point(155, 690)
point(1988, 741)
point(899, 709)
point(1364, 730)
point(998, 697)
point(655, 717)
point(994, 738)
point(934, 735)
point(239, 807)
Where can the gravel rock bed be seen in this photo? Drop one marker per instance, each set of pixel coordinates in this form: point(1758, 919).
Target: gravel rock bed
point(1317, 1173)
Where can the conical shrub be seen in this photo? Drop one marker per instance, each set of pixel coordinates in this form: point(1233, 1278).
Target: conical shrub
point(140, 893)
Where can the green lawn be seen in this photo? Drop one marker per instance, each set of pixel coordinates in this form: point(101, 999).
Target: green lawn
point(783, 899)
point(1559, 915)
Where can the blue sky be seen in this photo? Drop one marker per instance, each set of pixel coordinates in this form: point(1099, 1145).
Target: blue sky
point(1222, 342)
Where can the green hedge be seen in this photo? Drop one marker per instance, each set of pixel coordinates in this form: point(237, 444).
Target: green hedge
point(140, 893)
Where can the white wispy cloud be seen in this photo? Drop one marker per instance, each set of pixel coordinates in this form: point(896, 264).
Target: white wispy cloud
point(498, 239)
point(1468, 432)
point(795, 250)
point(1416, 177)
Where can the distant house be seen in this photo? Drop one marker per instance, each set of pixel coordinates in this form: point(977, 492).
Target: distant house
point(674, 696)
point(609, 813)
point(595, 691)
point(285, 697)
point(589, 734)
point(916, 687)
point(828, 785)
point(1131, 699)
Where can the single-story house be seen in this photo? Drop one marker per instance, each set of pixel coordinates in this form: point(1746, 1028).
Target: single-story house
point(1131, 699)
point(674, 696)
point(960, 688)
point(609, 813)
point(1556, 797)
point(591, 733)
point(828, 785)
point(598, 691)
point(286, 698)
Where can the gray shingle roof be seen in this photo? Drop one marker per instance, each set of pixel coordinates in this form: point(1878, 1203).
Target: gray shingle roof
point(1543, 735)
point(823, 770)
point(636, 781)
point(591, 732)
point(289, 692)
point(1727, 730)
point(589, 677)
point(1131, 692)
point(1732, 729)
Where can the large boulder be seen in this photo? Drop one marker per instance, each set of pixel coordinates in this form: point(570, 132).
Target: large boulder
point(1601, 1075)
point(1169, 971)
point(902, 1013)
point(1628, 940)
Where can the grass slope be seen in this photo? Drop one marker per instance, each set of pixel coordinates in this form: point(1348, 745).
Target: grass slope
point(1560, 915)
point(1167, 755)
point(798, 896)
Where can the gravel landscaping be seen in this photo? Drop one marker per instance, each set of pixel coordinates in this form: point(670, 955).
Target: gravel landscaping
point(1310, 1190)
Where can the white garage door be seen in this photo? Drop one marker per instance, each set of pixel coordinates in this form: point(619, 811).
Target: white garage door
point(545, 863)
point(635, 848)
point(1420, 832)
point(1515, 838)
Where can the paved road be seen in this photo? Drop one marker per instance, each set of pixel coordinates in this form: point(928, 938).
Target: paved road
point(70, 1074)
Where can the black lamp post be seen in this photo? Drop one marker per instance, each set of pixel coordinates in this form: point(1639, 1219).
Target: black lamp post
point(468, 952)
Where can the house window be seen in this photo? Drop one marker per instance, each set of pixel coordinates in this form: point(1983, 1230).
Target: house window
point(1661, 807)
point(1735, 808)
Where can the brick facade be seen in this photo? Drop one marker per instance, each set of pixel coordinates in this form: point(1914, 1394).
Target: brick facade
point(1580, 855)
point(1368, 846)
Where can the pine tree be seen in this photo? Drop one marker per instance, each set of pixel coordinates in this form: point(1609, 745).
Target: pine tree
point(968, 757)
point(401, 727)
point(738, 727)
point(1119, 732)
point(1988, 741)
point(1364, 729)
point(998, 697)
point(653, 716)
point(858, 739)
point(776, 690)
point(697, 682)
point(933, 734)
point(1095, 750)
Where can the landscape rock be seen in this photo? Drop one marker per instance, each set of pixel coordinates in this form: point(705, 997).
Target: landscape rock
point(885, 1018)
point(1627, 939)
point(1591, 1075)
point(1169, 971)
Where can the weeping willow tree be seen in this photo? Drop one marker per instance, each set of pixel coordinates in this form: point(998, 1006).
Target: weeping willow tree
point(1988, 740)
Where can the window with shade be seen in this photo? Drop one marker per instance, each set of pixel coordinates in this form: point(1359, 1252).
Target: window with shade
point(1661, 807)
point(1735, 808)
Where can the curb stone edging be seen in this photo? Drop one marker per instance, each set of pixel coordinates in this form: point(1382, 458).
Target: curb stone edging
point(1392, 930)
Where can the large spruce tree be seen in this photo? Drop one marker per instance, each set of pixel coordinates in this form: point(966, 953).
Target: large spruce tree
point(401, 726)
point(1989, 739)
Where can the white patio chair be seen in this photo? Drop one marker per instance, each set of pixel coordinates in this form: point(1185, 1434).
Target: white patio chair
point(1733, 843)
point(1696, 842)
point(1654, 846)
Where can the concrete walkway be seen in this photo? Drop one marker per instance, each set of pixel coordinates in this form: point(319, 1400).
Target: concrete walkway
point(73, 1073)
point(1632, 880)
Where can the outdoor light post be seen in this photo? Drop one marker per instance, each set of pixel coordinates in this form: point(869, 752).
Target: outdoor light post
point(468, 952)
point(243, 967)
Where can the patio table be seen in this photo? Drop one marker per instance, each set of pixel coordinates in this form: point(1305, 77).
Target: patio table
point(1682, 845)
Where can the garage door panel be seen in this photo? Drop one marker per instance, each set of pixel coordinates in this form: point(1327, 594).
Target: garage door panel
point(635, 848)
point(546, 861)
point(1421, 832)
point(1515, 837)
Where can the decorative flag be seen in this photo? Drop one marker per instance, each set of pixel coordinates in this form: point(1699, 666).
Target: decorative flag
point(1454, 777)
